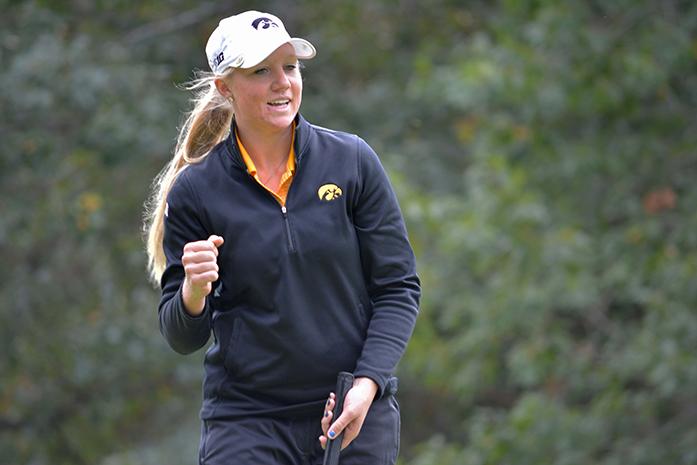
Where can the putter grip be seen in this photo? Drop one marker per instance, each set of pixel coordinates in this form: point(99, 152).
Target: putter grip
point(344, 382)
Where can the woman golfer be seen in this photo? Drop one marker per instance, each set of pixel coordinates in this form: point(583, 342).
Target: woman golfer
point(285, 241)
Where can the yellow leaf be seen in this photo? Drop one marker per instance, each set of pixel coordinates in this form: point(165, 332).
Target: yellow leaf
point(90, 202)
point(465, 129)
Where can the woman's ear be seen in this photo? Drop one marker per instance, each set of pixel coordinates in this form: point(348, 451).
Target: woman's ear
point(223, 88)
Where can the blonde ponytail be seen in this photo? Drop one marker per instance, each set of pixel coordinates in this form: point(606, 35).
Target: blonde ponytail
point(206, 125)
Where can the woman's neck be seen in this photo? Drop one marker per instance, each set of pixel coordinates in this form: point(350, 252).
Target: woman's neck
point(267, 150)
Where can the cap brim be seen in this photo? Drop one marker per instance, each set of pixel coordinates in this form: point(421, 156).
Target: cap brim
point(304, 50)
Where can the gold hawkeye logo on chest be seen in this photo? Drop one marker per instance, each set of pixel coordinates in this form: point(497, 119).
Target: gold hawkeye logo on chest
point(329, 192)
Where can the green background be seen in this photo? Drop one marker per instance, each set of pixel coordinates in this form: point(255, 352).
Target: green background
point(545, 156)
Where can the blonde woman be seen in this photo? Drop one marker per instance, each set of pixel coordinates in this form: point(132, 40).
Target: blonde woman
point(285, 241)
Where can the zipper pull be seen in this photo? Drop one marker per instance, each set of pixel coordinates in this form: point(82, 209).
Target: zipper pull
point(284, 211)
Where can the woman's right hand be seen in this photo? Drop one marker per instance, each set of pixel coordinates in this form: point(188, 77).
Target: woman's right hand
point(200, 261)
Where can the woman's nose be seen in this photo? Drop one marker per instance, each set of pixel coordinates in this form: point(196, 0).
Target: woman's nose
point(280, 79)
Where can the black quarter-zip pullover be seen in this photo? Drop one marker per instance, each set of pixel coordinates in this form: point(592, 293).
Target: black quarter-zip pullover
point(326, 283)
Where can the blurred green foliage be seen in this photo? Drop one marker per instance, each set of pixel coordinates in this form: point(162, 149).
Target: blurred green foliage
point(544, 153)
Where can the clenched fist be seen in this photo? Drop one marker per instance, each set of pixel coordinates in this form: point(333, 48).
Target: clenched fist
point(200, 261)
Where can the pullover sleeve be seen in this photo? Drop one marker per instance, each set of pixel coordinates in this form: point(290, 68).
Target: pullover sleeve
point(389, 269)
point(184, 333)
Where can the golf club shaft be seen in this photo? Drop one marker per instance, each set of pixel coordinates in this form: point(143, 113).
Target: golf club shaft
point(344, 382)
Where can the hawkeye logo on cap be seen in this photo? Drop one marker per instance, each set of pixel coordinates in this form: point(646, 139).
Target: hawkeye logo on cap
point(264, 23)
point(329, 192)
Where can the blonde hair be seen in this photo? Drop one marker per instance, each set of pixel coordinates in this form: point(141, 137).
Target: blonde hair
point(207, 124)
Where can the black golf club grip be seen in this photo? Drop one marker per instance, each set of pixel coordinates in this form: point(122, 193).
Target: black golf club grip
point(344, 382)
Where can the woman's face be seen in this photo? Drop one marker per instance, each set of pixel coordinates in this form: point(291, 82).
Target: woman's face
point(267, 96)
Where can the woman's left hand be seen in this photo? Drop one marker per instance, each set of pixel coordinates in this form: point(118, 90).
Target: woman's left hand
point(356, 404)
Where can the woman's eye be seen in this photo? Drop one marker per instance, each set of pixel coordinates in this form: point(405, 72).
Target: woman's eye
point(260, 71)
point(292, 67)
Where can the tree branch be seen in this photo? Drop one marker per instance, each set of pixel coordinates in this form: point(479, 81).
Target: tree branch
point(169, 25)
point(9, 424)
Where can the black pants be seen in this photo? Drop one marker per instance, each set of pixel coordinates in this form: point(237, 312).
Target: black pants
point(273, 441)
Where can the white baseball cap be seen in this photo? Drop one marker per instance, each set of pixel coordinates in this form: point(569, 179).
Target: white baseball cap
point(246, 39)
